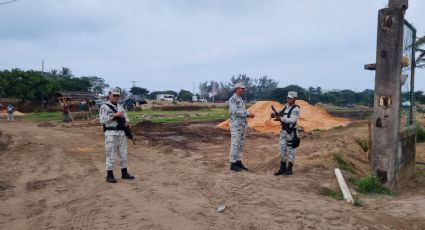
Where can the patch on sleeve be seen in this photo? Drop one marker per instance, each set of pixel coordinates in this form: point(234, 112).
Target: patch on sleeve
point(296, 112)
point(235, 101)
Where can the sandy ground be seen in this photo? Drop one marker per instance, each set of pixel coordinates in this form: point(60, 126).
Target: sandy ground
point(52, 177)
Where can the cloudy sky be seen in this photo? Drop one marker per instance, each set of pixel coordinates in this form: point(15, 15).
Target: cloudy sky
point(173, 44)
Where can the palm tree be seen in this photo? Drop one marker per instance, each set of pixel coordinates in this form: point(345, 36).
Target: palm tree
point(420, 50)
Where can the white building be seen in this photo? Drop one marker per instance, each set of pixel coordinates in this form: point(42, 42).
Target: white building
point(165, 97)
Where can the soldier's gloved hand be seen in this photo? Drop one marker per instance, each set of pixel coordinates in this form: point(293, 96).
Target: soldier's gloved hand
point(127, 124)
point(118, 114)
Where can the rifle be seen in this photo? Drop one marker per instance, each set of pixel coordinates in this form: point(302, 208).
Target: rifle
point(121, 125)
point(295, 143)
point(275, 112)
point(127, 130)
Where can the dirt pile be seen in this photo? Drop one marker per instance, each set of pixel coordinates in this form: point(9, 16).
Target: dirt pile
point(16, 113)
point(312, 117)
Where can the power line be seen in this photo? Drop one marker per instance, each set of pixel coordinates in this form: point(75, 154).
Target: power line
point(4, 3)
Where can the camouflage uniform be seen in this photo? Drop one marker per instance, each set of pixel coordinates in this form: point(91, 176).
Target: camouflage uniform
point(286, 151)
point(238, 127)
point(115, 140)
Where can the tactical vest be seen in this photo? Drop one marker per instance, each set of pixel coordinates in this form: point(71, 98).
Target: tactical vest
point(285, 126)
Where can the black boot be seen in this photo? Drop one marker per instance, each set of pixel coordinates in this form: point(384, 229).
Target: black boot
point(235, 167)
point(289, 171)
point(240, 165)
point(282, 169)
point(126, 175)
point(110, 177)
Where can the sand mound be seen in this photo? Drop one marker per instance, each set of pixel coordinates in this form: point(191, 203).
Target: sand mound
point(312, 117)
point(16, 113)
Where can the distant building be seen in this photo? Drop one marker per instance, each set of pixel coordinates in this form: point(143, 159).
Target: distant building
point(194, 98)
point(165, 97)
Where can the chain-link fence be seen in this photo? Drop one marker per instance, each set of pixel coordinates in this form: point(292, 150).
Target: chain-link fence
point(408, 76)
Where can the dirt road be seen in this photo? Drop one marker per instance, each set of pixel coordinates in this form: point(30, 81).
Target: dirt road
point(52, 177)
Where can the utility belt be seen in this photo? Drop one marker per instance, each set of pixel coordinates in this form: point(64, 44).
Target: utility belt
point(295, 142)
point(118, 128)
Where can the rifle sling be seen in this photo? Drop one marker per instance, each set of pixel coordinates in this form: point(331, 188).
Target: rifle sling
point(119, 126)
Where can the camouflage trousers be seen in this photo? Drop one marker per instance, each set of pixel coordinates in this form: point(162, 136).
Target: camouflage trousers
point(238, 136)
point(116, 144)
point(286, 151)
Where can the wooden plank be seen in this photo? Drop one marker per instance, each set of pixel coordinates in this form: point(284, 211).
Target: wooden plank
point(343, 186)
point(370, 67)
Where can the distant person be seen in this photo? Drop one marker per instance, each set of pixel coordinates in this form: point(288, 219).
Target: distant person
point(289, 140)
point(83, 105)
point(10, 111)
point(66, 113)
point(238, 127)
point(115, 138)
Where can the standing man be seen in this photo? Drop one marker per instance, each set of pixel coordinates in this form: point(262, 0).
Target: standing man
point(289, 140)
point(238, 127)
point(114, 119)
point(66, 113)
point(10, 111)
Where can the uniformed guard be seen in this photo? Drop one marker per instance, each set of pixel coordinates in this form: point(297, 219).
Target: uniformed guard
point(115, 139)
point(289, 140)
point(238, 127)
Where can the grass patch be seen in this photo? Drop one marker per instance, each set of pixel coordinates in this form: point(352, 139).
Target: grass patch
point(342, 164)
point(318, 130)
point(157, 116)
point(169, 116)
point(371, 185)
point(330, 193)
point(420, 134)
point(44, 116)
point(364, 144)
point(357, 201)
point(338, 127)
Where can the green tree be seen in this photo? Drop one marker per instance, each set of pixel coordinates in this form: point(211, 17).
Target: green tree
point(263, 86)
point(281, 94)
point(25, 85)
point(139, 91)
point(184, 95)
point(420, 50)
point(98, 84)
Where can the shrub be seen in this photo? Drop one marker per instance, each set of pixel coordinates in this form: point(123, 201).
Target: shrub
point(364, 144)
point(372, 185)
point(342, 164)
point(357, 201)
point(420, 134)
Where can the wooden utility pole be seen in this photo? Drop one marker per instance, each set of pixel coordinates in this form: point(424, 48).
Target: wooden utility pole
point(390, 152)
